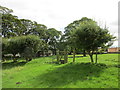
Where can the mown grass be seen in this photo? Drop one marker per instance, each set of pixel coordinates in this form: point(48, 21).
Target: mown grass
point(42, 73)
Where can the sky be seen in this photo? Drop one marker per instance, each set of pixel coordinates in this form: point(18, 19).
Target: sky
point(59, 13)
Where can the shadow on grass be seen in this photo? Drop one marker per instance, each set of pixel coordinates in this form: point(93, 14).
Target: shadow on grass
point(9, 65)
point(70, 73)
point(77, 56)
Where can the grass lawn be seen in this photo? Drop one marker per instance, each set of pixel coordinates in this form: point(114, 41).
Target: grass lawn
point(41, 73)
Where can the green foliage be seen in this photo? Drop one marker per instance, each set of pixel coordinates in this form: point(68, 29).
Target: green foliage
point(5, 10)
point(91, 36)
point(25, 45)
point(71, 28)
point(29, 41)
point(5, 45)
point(8, 21)
point(28, 53)
point(87, 35)
point(12, 26)
point(28, 45)
point(52, 39)
point(39, 30)
point(83, 34)
point(70, 35)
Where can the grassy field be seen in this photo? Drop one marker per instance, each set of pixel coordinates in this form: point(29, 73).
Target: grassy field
point(42, 73)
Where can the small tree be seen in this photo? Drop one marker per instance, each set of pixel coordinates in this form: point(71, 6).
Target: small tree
point(90, 36)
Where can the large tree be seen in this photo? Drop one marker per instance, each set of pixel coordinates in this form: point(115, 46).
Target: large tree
point(53, 36)
point(62, 50)
point(8, 22)
point(5, 10)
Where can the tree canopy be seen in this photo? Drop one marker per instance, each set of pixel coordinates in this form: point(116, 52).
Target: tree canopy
point(89, 36)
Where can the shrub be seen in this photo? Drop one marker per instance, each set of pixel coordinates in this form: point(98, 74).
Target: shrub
point(26, 46)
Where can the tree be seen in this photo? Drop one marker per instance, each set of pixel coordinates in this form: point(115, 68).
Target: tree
point(53, 35)
point(69, 35)
point(5, 47)
point(10, 46)
point(26, 27)
point(8, 21)
point(26, 46)
point(90, 36)
point(62, 51)
point(39, 30)
point(12, 26)
point(5, 10)
point(29, 45)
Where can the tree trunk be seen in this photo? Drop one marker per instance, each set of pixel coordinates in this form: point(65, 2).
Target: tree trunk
point(26, 59)
point(58, 56)
point(65, 56)
point(96, 57)
point(91, 57)
point(47, 53)
point(74, 55)
point(43, 53)
point(84, 53)
point(55, 52)
point(14, 59)
point(3, 58)
point(30, 59)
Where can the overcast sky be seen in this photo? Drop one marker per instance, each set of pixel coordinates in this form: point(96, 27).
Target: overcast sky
point(59, 13)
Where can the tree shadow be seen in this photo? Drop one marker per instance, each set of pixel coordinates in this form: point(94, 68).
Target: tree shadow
point(9, 65)
point(77, 56)
point(69, 73)
point(52, 62)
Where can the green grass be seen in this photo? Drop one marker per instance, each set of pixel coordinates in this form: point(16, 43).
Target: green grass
point(41, 73)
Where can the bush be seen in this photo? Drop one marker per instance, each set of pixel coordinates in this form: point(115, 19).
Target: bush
point(26, 46)
point(5, 47)
point(28, 53)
